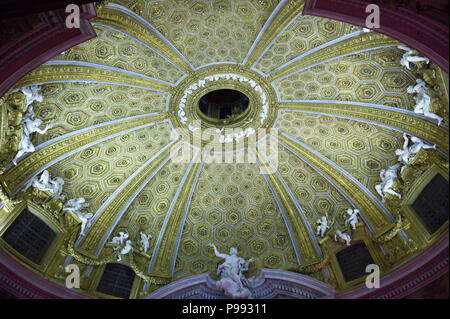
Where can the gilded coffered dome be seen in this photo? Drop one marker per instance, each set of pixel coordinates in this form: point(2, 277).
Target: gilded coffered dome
point(327, 109)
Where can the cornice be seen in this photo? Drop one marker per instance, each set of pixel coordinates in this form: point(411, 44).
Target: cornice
point(61, 72)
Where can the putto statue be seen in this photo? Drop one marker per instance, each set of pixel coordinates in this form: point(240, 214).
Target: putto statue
point(408, 57)
point(353, 217)
point(322, 227)
point(232, 280)
point(246, 133)
point(123, 243)
point(388, 177)
point(85, 221)
point(342, 236)
point(119, 240)
point(32, 94)
point(423, 100)
point(145, 241)
point(404, 154)
point(76, 205)
point(46, 183)
point(125, 250)
point(30, 126)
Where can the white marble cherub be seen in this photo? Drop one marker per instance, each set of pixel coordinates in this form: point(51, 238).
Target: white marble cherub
point(120, 239)
point(32, 93)
point(76, 205)
point(352, 217)
point(405, 153)
point(388, 177)
point(343, 236)
point(423, 100)
point(408, 57)
point(145, 241)
point(125, 250)
point(30, 126)
point(322, 227)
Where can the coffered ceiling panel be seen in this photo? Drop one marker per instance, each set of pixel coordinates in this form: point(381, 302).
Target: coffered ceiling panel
point(97, 171)
point(73, 106)
point(117, 49)
point(369, 77)
point(358, 148)
point(232, 206)
point(302, 35)
point(206, 31)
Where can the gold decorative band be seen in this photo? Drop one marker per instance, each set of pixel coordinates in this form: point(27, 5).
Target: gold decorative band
point(31, 164)
point(417, 126)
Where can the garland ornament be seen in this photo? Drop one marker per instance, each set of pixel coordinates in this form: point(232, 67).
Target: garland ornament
point(112, 258)
point(84, 259)
point(228, 76)
point(400, 224)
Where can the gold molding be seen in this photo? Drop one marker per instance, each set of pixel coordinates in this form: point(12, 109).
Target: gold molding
point(31, 164)
point(375, 215)
point(366, 40)
point(135, 28)
point(418, 229)
point(218, 85)
point(95, 235)
point(192, 101)
point(12, 108)
point(54, 73)
point(283, 17)
point(417, 126)
point(165, 253)
point(307, 249)
point(46, 265)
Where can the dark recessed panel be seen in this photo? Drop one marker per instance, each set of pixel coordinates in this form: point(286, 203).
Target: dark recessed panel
point(117, 280)
point(353, 261)
point(29, 236)
point(432, 204)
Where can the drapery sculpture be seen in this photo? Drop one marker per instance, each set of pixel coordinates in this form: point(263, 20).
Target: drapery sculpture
point(232, 280)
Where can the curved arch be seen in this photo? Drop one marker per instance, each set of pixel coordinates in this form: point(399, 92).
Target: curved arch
point(33, 40)
point(422, 25)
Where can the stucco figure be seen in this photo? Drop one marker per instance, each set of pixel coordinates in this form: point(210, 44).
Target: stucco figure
point(231, 272)
point(388, 177)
